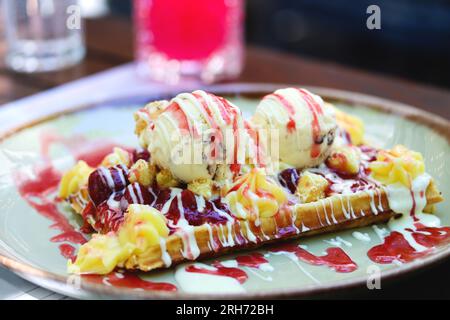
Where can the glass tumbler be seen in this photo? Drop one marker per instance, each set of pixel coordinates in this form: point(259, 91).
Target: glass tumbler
point(178, 39)
point(42, 35)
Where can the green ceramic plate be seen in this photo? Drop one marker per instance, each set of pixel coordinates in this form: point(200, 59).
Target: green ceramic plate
point(31, 243)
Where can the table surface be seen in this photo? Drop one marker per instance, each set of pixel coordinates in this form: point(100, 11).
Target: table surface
point(109, 43)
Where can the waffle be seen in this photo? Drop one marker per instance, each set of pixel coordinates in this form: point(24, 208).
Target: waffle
point(335, 213)
point(151, 212)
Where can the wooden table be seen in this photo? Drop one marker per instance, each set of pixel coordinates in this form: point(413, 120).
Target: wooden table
point(109, 43)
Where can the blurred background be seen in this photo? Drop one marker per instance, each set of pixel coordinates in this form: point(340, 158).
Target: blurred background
point(413, 43)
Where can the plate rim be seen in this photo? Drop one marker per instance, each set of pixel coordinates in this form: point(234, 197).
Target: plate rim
point(59, 283)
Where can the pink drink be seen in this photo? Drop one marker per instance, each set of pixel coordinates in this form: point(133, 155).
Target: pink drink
point(185, 38)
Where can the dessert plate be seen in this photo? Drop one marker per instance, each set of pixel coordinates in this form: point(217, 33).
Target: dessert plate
point(36, 235)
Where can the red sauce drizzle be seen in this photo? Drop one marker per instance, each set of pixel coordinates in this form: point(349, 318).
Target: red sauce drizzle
point(220, 270)
point(431, 237)
point(315, 109)
point(35, 190)
point(290, 110)
point(180, 116)
point(225, 108)
point(212, 122)
point(38, 188)
point(235, 167)
point(412, 213)
point(396, 247)
point(130, 280)
point(252, 260)
point(67, 251)
point(335, 258)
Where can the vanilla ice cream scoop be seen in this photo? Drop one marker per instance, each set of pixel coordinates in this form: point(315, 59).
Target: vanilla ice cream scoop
point(305, 125)
point(195, 135)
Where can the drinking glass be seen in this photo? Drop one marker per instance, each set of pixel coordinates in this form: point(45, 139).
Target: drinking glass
point(42, 35)
point(177, 39)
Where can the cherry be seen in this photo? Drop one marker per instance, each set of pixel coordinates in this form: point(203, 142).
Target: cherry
point(289, 179)
point(108, 218)
point(138, 194)
point(104, 181)
point(162, 197)
point(139, 154)
point(191, 211)
point(105, 217)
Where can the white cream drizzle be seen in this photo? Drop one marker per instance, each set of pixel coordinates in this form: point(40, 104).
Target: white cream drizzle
point(257, 274)
point(318, 217)
point(154, 197)
point(195, 282)
point(250, 235)
point(211, 243)
point(410, 202)
point(108, 177)
point(294, 218)
point(347, 215)
point(190, 248)
point(122, 176)
point(230, 239)
point(291, 256)
point(222, 212)
point(361, 236)
point(221, 236)
point(380, 232)
point(227, 239)
point(113, 203)
point(332, 211)
point(338, 242)
point(373, 208)
point(229, 263)
point(350, 208)
point(132, 194)
point(201, 204)
point(165, 256)
point(325, 211)
point(380, 203)
point(173, 193)
point(304, 228)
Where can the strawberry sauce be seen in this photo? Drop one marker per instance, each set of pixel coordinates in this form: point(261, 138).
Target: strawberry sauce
point(129, 280)
point(291, 126)
point(67, 251)
point(38, 188)
point(335, 258)
point(431, 237)
point(396, 248)
point(220, 270)
point(252, 260)
point(316, 110)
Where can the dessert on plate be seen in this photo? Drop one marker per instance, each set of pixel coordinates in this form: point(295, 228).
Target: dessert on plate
point(205, 181)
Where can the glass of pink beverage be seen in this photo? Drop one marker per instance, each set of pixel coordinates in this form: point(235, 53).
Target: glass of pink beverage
point(178, 39)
